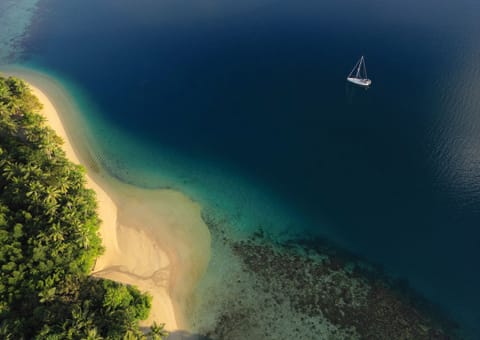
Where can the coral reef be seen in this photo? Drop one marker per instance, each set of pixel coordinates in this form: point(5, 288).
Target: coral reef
point(309, 289)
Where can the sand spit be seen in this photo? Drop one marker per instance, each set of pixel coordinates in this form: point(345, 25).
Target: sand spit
point(154, 239)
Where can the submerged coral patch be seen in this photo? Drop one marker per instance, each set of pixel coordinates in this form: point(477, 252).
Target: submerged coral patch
point(306, 289)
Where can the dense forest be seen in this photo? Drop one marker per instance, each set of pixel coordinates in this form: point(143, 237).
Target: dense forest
point(49, 238)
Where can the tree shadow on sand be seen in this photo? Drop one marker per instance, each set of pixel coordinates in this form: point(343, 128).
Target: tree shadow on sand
point(184, 335)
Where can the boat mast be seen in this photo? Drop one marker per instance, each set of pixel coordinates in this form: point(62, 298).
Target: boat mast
point(364, 68)
point(359, 67)
point(356, 67)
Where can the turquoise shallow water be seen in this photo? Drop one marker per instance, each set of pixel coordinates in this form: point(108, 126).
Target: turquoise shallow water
point(244, 108)
point(15, 17)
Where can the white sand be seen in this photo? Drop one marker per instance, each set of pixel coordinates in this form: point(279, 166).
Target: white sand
point(154, 239)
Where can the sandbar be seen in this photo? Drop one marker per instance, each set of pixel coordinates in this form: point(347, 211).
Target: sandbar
point(153, 239)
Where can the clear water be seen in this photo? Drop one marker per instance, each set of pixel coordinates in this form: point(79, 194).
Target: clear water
point(244, 107)
point(15, 18)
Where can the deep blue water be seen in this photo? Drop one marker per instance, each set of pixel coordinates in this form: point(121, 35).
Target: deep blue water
point(258, 87)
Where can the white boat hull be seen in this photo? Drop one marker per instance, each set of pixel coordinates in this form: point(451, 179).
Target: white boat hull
point(359, 81)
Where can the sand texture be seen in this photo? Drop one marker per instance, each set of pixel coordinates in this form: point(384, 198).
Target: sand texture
point(154, 239)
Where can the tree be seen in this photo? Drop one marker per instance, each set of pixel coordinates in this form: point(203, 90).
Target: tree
point(49, 237)
point(157, 332)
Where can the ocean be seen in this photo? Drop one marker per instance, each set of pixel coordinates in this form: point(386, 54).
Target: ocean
point(244, 107)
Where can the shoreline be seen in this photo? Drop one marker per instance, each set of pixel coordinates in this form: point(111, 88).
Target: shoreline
point(153, 239)
point(164, 264)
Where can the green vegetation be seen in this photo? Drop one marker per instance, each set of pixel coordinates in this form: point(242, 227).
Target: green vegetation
point(48, 238)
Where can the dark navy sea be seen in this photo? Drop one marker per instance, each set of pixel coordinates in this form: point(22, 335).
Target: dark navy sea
point(244, 106)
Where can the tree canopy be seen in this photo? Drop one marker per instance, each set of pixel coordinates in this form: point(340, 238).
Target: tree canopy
point(49, 238)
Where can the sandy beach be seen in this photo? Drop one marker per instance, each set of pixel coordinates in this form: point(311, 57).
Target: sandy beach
point(154, 239)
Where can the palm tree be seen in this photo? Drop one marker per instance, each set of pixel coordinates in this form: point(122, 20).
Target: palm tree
point(51, 210)
point(82, 318)
point(92, 334)
point(63, 185)
point(47, 295)
point(42, 239)
point(10, 170)
point(6, 123)
point(34, 190)
point(56, 232)
point(51, 194)
point(157, 332)
point(5, 331)
point(83, 238)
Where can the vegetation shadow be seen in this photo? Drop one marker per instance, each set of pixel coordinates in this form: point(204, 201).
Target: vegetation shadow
point(184, 335)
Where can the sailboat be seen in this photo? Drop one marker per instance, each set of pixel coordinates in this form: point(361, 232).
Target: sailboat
point(358, 76)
